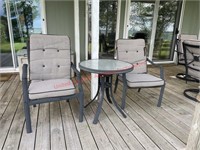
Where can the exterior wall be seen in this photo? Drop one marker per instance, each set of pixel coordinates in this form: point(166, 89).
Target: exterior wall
point(121, 26)
point(60, 19)
point(191, 19)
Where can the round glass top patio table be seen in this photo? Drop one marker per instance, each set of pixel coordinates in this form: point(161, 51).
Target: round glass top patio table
point(106, 68)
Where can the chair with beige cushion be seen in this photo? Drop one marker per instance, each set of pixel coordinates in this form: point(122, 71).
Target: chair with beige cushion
point(180, 51)
point(133, 51)
point(192, 65)
point(49, 73)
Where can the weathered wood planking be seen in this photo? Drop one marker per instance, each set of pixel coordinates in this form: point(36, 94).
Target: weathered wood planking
point(56, 125)
point(7, 119)
point(194, 136)
point(4, 101)
point(43, 127)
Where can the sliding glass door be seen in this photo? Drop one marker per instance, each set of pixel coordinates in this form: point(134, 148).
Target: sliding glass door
point(6, 59)
point(107, 27)
point(156, 21)
point(166, 29)
point(19, 19)
point(141, 20)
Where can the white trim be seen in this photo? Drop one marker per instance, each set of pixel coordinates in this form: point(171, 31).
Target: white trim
point(199, 34)
point(118, 19)
point(180, 27)
point(162, 62)
point(95, 44)
point(153, 33)
point(126, 18)
point(43, 16)
point(77, 32)
point(9, 70)
point(11, 33)
point(86, 29)
point(199, 26)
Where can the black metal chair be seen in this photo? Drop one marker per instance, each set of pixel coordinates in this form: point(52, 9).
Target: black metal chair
point(192, 65)
point(134, 52)
point(49, 74)
point(180, 52)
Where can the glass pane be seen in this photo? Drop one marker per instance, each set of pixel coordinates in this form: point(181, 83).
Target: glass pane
point(141, 20)
point(26, 19)
point(5, 49)
point(165, 30)
point(107, 28)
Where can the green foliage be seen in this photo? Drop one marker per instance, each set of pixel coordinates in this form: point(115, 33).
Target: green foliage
point(108, 13)
point(3, 33)
point(5, 47)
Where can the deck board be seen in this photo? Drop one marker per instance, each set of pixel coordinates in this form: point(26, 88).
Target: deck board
point(56, 125)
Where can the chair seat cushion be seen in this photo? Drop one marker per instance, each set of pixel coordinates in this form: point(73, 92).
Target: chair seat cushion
point(51, 88)
point(143, 80)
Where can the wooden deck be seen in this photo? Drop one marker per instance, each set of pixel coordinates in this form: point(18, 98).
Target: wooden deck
point(56, 126)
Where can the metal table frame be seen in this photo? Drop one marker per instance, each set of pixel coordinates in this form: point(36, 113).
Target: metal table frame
point(105, 84)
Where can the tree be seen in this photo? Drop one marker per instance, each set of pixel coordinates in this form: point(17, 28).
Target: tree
point(141, 17)
point(167, 16)
point(3, 29)
point(23, 12)
point(108, 13)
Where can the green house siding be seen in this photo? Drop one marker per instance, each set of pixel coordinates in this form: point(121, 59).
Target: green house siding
point(60, 18)
point(191, 20)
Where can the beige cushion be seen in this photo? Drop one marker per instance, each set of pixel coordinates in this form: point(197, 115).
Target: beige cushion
point(143, 80)
point(183, 37)
point(193, 65)
point(49, 57)
point(51, 88)
point(132, 51)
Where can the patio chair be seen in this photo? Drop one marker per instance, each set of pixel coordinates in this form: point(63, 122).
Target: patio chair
point(192, 64)
point(180, 51)
point(49, 74)
point(133, 51)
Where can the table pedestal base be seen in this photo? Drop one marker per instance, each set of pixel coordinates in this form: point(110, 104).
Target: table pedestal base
point(105, 83)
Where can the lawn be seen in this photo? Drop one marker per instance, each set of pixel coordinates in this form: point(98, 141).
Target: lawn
point(5, 47)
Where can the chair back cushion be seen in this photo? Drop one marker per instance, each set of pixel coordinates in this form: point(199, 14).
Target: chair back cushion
point(192, 56)
point(132, 51)
point(181, 38)
point(49, 57)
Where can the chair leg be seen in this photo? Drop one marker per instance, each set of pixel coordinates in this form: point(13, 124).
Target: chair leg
point(116, 84)
point(27, 117)
point(161, 96)
point(124, 91)
point(139, 89)
point(81, 107)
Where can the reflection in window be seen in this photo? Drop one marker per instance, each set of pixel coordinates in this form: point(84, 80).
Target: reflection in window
point(5, 49)
point(25, 16)
point(165, 30)
point(26, 19)
point(141, 21)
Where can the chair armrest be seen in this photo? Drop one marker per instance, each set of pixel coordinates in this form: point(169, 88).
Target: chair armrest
point(78, 76)
point(25, 83)
point(159, 66)
point(24, 71)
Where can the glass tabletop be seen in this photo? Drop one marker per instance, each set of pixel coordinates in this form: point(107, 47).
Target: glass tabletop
point(105, 66)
